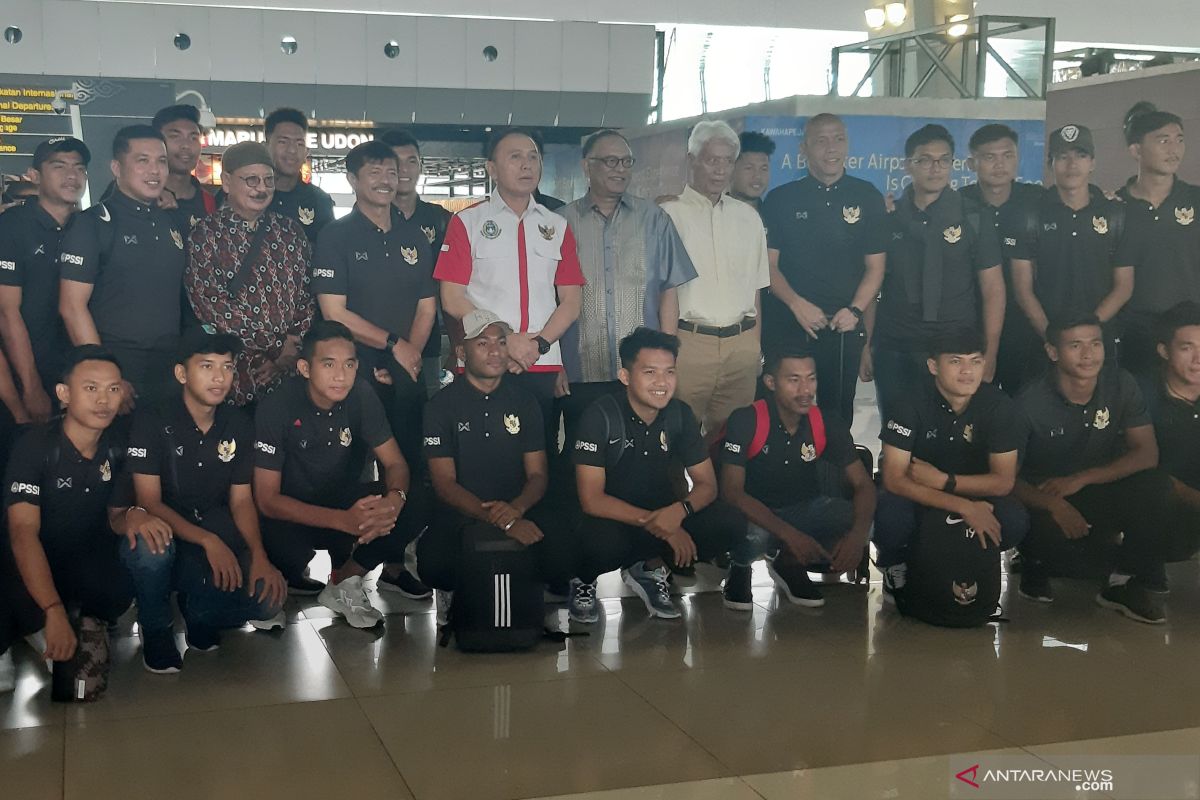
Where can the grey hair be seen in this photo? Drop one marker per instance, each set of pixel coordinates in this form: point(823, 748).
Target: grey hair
point(706, 131)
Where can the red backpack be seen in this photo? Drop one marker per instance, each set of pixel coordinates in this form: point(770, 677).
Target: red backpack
point(762, 429)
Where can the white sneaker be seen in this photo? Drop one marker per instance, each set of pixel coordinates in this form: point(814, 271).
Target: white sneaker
point(8, 672)
point(349, 599)
point(37, 642)
point(442, 601)
point(277, 621)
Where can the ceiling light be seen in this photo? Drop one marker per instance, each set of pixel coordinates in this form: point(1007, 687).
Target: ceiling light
point(896, 13)
point(959, 26)
point(876, 17)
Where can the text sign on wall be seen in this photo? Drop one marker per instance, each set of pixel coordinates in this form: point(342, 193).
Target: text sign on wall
point(317, 140)
point(27, 118)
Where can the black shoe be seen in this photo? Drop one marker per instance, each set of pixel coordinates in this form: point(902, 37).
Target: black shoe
point(405, 584)
point(737, 588)
point(159, 653)
point(1134, 602)
point(793, 581)
point(203, 638)
point(305, 586)
point(1035, 585)
point(556, 593)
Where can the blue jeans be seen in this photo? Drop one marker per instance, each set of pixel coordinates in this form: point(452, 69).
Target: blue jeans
point(897, 519)
point(152, 577)
point(825, 519)
point(204, 604)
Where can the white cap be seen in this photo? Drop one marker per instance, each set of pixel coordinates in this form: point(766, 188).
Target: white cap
point(479, 320)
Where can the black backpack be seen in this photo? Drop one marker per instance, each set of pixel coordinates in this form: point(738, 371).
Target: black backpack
point(614, 427)
point(498, 603)
point(952, 581)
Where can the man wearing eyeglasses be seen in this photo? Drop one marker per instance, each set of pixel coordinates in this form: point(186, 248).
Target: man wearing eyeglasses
point(632, 258)
point(942, 272)
point(247, 271)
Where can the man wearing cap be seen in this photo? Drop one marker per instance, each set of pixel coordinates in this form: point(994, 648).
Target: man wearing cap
point(121, 269)
point(192, 460)
point(512, 255)
point(287, 142)
point(180, 127)
point(247, 271)
point(487, 459)
point(30, 240)
point(1069, 253)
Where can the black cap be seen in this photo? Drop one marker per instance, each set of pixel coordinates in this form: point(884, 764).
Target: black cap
point(60, 144)
point(1071, 137)
point(206, 339)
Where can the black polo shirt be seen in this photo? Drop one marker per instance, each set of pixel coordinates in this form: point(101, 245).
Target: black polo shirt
point(1177, 428)
point(960, 444)
point(1164, 244)
point(785, 471)
point(320, 453)
point(644, 474)
point(1006, 218)
point(1062, 438)
point(822, 234)
point(1074, 252)
point(30, 243)
point(74, 493)
point(196, 468)
point(433, 220)
point(382, 274)
point(487, 435)
point(190, 210)
point(309, 205)
point(134, 255)
point(966, 247)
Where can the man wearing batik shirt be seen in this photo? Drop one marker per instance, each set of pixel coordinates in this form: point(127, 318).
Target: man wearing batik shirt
point(247, 272)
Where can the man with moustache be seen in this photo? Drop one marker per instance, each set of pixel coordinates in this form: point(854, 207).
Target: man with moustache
point(286, 130)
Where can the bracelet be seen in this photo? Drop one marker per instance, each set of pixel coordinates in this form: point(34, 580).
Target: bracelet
point(135, 508)
point(392, 340)
point(403, 494)
point(508, 527)
point(46, 610)
point(856, 311)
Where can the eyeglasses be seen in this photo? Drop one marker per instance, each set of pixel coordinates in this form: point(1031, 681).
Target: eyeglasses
point(925, 162)
point(254, 181)
point(612, 162)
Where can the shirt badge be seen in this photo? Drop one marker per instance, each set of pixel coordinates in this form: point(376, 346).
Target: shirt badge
point(106, 471)
point(801, 215)
point(969, 433)
point(307, 216)
point(226, 450)
point(953, 234)
point(131, 240)
point(177, 238)
point(192, 220)
point(1101, 420)
point(662, 440)
point(547, 232)
point(808, 452)
point(360, 256)
point(490, 229)
point(344, 437)
point(512, 424)
point(851, 214)
point(964, 593)
point(430, 233)
point(464, 427)
point(64, 483)
point(1185, 216)
point(409, 254)
point(1100, 225)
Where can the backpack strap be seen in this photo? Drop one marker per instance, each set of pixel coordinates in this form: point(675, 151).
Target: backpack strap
point(817, 423)
point(762, 428)
point(613, 423)
point(210, 202)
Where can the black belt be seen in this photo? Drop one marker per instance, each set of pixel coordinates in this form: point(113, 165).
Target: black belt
point(721, 333)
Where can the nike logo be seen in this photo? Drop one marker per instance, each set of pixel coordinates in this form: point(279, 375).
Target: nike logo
point(613, 441)
point(953, 520)
point(104, 215)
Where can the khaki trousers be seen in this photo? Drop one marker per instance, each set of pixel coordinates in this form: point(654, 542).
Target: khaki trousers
point(717, 376)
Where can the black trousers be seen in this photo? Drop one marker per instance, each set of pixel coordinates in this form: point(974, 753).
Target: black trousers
point(151, 371)
point(837, 354)
point(404, 403)
point(605, 544)
point(438, 551)
point(290, 545)
point(1021, 353)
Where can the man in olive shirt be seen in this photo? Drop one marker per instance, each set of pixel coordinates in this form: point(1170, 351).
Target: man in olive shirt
point(287, 140)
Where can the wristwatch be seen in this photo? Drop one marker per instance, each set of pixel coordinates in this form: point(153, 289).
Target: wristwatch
point(543, 345)
point(857, 312)
point(687, 508)
point(951, 484)
point(392, 340)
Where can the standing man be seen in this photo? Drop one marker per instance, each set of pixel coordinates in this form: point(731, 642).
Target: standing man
point(513, 256)
point(719, 353)
point(247, 274)
point(1069, 254)
point(30, 242)
point(1164, 236)
point(941, 265)
point(180, 129)
point(632, 259)
point(1002, 203)
point(752, 170)
point(121, 270)
point(826, 236)
point(287, 141)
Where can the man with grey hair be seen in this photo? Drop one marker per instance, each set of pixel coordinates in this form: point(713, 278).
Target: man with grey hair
point(719, 353)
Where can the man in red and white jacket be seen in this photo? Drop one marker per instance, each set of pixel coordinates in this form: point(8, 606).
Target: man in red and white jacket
point(513, 256)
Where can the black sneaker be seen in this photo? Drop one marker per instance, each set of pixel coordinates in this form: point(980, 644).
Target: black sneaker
point(305, 586)
point(737, 588)
point(1134, 602)
point(159, 653)
point(793, 581)
point(405, 584)
point(1035, 585)
point(202, 638)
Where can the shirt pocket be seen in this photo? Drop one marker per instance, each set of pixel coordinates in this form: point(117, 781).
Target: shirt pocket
point(544, 257)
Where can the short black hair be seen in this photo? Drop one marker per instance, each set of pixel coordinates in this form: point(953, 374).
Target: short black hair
point(372, 152)
point(1145, 118)
point(292, 115)
point(993, 132)
point(957, 341)
point(166, 116)
point(589, 144)
point(500, 134)
point(398, 137)
point(205, 340)
point(755, 142)
point(131, 133)
point(323, 330)
point(1059, 325)
point(644, 338)
point(86, 352)
point(773, 359)
point(1180, 315)
point(927, 134)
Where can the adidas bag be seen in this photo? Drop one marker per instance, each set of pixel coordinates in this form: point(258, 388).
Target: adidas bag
point(498, 597)
point(951, 580)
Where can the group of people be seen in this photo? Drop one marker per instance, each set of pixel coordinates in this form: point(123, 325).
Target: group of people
point(224, 384)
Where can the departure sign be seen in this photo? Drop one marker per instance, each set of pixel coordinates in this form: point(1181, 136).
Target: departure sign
point(27, 117)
